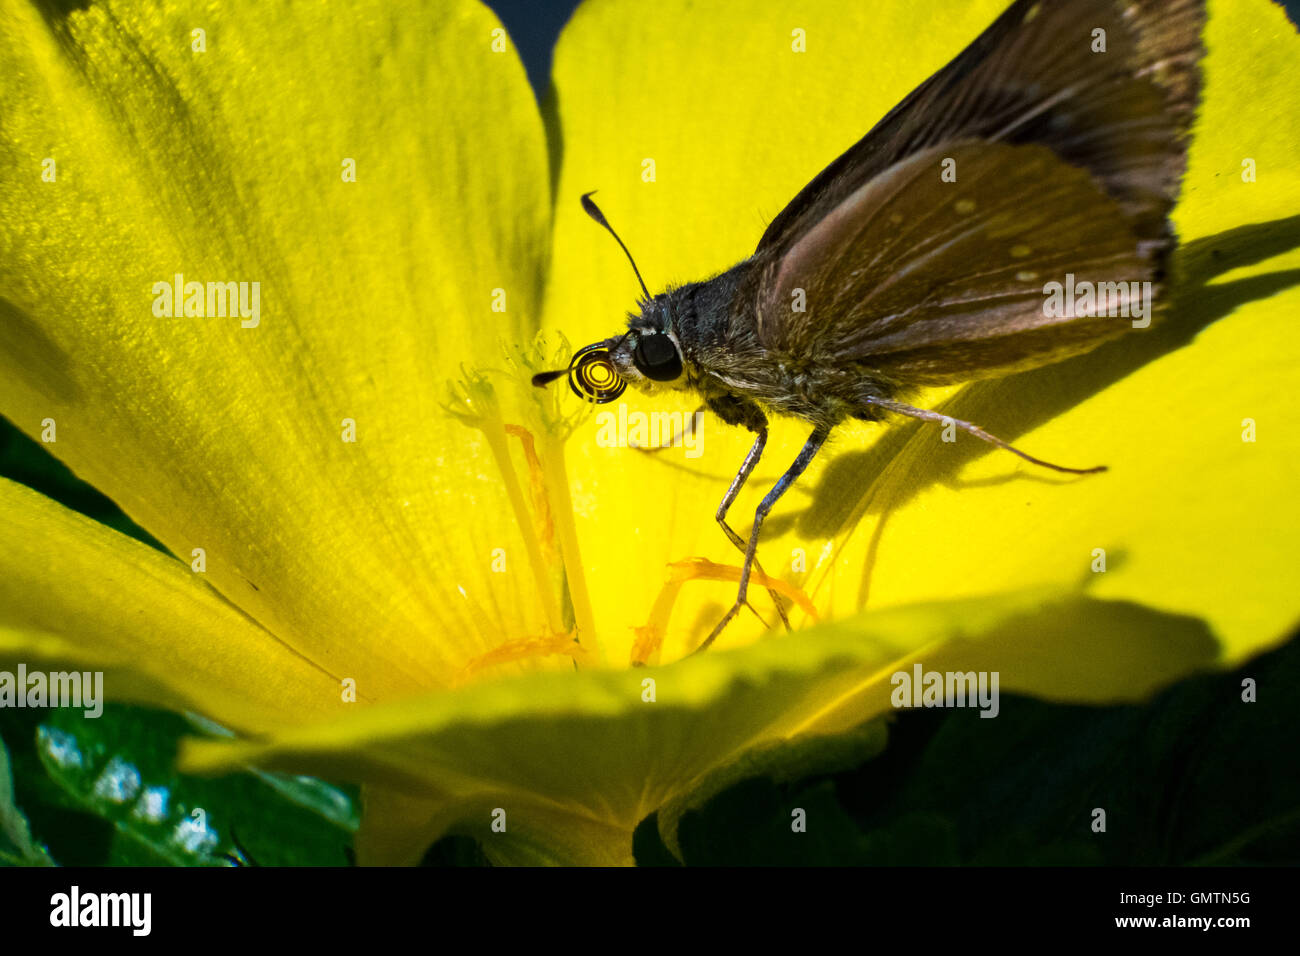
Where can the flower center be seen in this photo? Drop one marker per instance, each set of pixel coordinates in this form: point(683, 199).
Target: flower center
point(543, 510)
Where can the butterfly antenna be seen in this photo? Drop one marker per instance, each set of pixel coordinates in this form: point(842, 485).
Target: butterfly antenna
point(592, 210)
point(542, 379)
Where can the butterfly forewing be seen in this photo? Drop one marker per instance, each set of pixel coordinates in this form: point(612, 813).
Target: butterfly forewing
point(1101, 117)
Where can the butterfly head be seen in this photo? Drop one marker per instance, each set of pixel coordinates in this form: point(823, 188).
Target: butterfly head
point(645, 356)
point(648, 355)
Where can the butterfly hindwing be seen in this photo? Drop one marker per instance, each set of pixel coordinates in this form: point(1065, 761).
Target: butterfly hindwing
point(931, 282)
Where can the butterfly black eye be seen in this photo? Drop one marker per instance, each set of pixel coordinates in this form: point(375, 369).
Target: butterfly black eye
point(592, 375)
point(657, 358)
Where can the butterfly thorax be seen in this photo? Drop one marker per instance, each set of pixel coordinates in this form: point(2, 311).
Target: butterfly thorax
point(726, 364)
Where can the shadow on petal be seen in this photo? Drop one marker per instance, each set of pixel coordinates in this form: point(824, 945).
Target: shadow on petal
point(1012, 406)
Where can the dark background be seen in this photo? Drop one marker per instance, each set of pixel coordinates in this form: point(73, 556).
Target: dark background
point(534, 26)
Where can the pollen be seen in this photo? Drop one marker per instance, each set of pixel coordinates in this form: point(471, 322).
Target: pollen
point(1020, 251)
point(964, 206)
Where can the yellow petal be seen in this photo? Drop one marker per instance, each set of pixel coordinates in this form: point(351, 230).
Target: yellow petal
point(397, 828)
point(75, 594)
point(228, 164)
point(588, 755)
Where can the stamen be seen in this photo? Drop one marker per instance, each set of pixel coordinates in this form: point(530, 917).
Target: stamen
point(650, 637)
point(522, 649)
point(556, 483)
point(543, 522)
point(543, 513)
point(474, 403)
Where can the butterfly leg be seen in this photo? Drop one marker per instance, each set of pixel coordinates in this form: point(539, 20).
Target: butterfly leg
point(735, 412)
point(929, 416)
point(806, 455)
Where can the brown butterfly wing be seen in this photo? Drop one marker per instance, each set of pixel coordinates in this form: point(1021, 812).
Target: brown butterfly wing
point(929, 282)
point(1111, 131)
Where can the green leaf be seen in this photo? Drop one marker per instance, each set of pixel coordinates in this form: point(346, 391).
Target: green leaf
point(16, 844)
point(118, 800)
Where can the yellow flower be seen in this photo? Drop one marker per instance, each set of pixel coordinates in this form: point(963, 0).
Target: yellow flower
point(382, 174)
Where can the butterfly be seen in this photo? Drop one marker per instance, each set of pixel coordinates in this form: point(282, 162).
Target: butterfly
point(939, 248)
